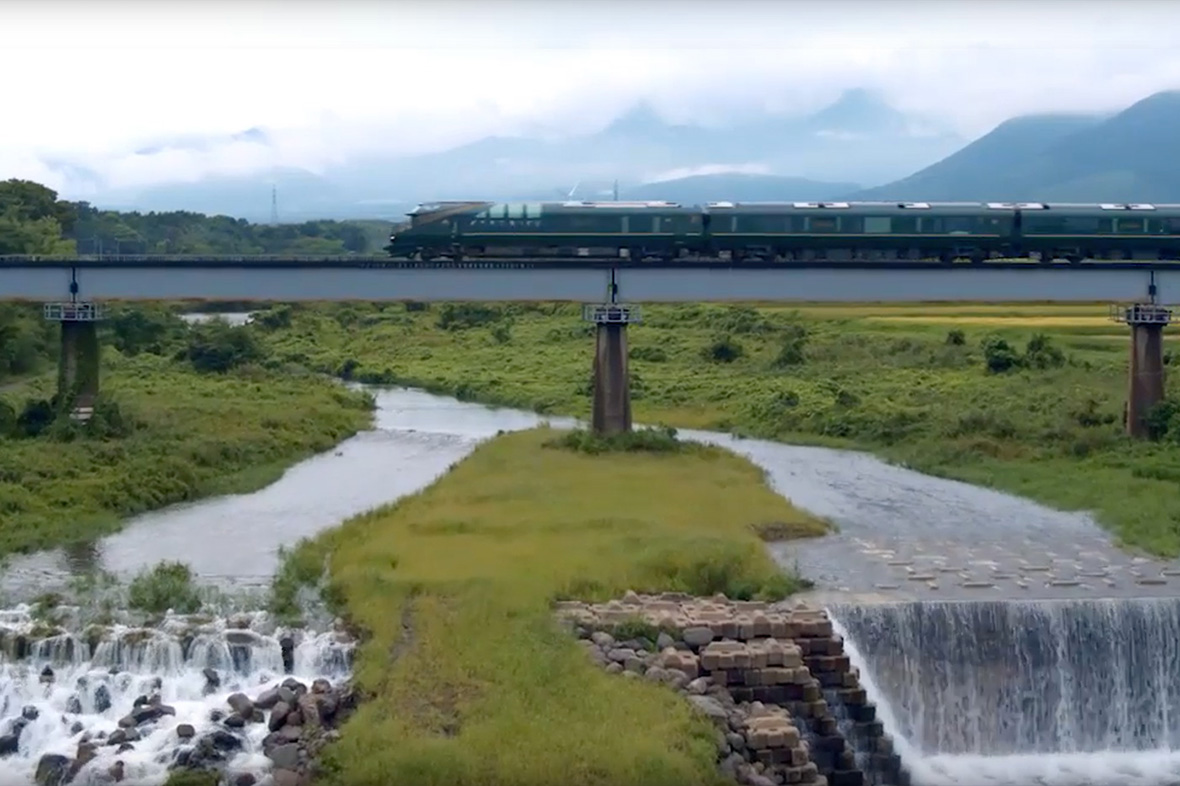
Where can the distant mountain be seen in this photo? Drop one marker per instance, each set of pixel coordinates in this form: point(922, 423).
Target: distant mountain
point(699, 189)
point(859, 138)
point(1125, 157)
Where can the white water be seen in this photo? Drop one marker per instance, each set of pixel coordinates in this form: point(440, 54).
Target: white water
point(1160, 767)
point(130, 663)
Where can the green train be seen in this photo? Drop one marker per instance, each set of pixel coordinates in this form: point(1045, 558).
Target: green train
point(764, 232)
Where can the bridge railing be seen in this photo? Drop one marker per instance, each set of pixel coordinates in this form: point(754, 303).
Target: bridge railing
point(16, 259)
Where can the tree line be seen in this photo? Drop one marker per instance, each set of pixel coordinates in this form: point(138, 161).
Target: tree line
point(33, 220)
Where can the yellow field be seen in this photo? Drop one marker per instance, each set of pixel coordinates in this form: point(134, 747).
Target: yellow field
point(1029, 320)
point(474, 684)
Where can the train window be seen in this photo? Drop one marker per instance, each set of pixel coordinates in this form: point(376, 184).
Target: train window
point(959, 224)
point(1083, 225)
point(763, 224)
point(1044, 225)
point(1173, 225)
point(680, 224)
point(640, 223)
point(905, 226)
point(823, 224)
point(877, 225)
point(853, 224)
point(532, 210)
point(583, 223)
point(1128, 226)
point(932, 226)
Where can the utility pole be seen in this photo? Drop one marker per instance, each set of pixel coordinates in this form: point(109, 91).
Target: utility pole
point(616, 189)
point(274, 206)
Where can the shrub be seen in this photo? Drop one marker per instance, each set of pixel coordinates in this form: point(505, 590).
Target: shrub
point(169, 585)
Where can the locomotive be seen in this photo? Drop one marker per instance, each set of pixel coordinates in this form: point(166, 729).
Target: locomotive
point(636, 233)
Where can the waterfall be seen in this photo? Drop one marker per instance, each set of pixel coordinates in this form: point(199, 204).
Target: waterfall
point(1049, 692)
point(68, 688)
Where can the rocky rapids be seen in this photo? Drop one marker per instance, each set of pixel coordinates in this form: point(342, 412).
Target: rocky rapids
point(104, 704)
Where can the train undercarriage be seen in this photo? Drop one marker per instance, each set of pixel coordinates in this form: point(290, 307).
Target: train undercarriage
point(1032, 252)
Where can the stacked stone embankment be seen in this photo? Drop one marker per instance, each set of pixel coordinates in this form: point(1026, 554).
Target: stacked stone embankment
point(787, 705)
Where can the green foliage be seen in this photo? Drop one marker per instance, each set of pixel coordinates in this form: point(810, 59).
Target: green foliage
point(723, 350)
point(184, 777)
point(168, 585)
point(143, 329)
point(181, 232)
point(640, 440)
point(1040, 353)
point(464, 316)
point(794, 340)
point(27, 342)
point(1163, 421)
point(892, 379)
point(217, 346)
point(32, 219)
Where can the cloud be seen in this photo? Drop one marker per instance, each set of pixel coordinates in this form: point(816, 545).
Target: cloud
point(708, 169)
point(328, 81)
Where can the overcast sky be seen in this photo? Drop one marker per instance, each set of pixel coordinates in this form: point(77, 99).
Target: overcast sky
point(91, 81)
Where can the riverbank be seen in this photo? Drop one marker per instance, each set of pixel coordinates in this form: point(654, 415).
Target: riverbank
point(173, 435)
point(468, 678)
point(1026, 399)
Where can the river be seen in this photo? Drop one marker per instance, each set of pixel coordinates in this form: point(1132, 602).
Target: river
point(903, 537)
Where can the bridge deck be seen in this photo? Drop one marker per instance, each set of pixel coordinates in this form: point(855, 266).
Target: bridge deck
point(274, 279)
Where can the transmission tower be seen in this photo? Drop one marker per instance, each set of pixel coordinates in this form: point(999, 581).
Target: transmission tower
point(274, 206)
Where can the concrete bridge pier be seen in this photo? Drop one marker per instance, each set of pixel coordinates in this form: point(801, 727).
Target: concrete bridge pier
point(1146, 374)
point(612, 382)
point(77, 372)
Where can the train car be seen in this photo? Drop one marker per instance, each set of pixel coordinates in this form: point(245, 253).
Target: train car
point(1104, 231)
point(471, 230)
point(797, 231)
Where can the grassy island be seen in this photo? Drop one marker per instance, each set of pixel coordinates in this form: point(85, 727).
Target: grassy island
point(167, 434)
point(471, 681)
point(1025, 398)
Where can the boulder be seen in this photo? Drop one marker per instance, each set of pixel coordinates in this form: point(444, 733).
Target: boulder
point(51, 769)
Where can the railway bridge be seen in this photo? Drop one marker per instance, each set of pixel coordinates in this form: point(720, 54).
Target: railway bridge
point(74, 290)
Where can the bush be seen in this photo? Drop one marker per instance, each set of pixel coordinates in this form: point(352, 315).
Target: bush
point(169, 585)
point(791, 351)
point(649, 440)
point(723, 350)
point(219, 347)
point(999, 356)
point(648, 354)
point(462, 316)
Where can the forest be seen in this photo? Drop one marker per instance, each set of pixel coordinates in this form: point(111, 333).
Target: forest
point(33, 220)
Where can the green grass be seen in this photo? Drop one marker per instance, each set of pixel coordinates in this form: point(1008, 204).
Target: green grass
point(847, 375)
point(470, 681)
point(193, 435)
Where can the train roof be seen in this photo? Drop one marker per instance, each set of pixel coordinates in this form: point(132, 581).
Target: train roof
point(848, 208)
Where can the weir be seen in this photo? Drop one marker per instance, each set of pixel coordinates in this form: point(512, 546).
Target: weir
point(1068, 693)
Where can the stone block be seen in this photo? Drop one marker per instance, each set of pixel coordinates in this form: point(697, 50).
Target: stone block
point(853, 695)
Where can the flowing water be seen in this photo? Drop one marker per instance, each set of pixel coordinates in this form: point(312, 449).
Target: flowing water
point(1004, 691)
point(73, 688)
